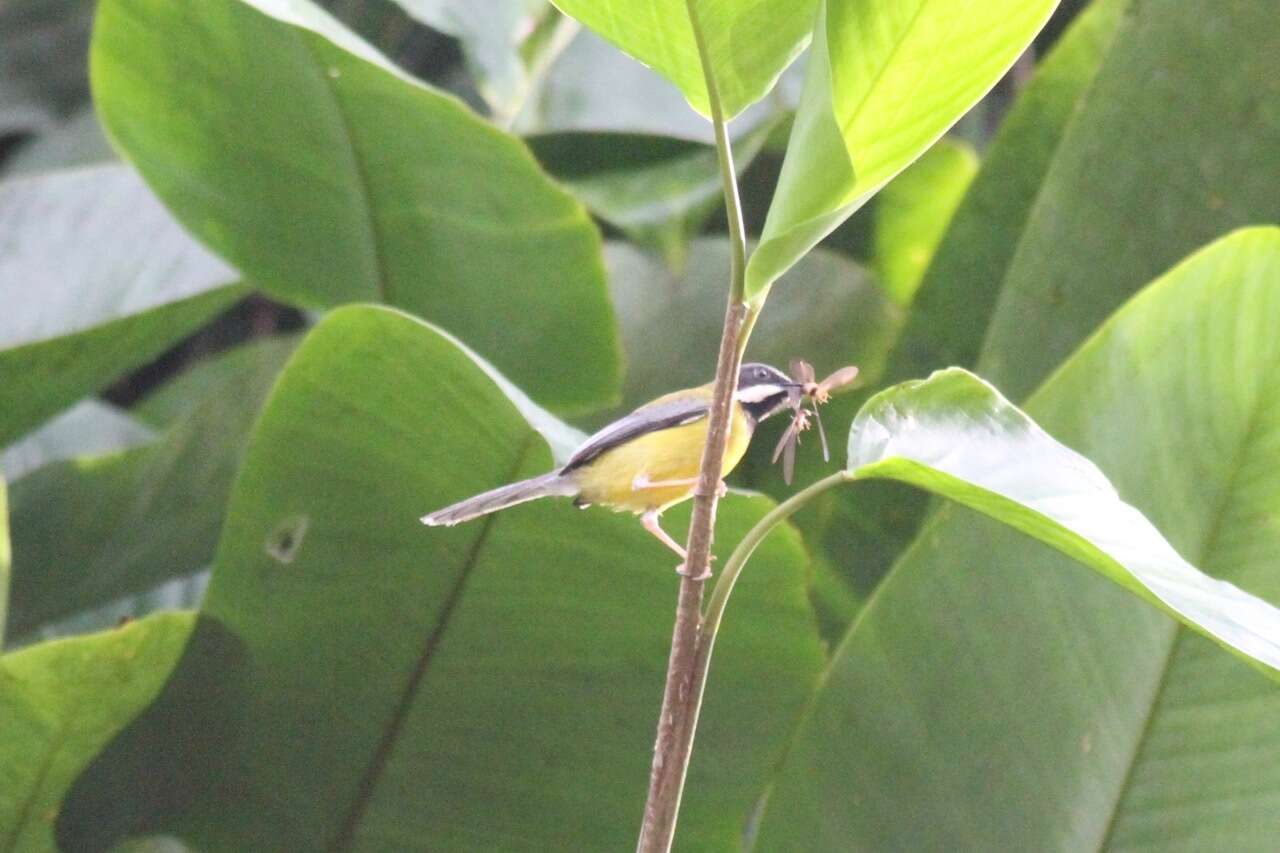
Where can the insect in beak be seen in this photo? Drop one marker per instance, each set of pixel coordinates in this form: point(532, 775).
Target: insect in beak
point(806, 388)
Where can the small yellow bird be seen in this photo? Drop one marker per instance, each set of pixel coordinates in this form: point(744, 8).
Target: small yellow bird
point(648, 460)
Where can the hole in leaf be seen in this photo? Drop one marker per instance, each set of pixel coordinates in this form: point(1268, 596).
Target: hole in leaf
point(285, 540)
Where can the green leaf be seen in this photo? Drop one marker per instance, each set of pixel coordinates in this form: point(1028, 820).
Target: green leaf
point(464, 688)
point(327, 176)
point(749, 42)
point(95, 528)
point(884, 81)
point(1159, 151)
point(913, 214)
point(60, 703)
point(953, 306)
point(96, 279)
point(870, 526)
point(505, 43)
point(956, 436)
point(1111, 726)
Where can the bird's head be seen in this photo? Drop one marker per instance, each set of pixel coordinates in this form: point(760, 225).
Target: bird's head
point(764, 390)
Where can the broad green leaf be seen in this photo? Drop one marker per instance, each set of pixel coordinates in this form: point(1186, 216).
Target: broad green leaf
point(834, 315)
point(1159, 151)
point(328, 176)
point(1036, 189)
point(870, 526)
point(950, 312)
point(884, 81)
point(913, 213)
point(60, 703)
point(96, 279)
point(465, 688)
point(1019, 703)
point(956, 436)
point(506, 43)
point(749, 42)
point(95, 528)
point(89, 426)
point(658, 190)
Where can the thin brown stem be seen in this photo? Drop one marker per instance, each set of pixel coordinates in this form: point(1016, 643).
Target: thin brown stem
point(681, 698)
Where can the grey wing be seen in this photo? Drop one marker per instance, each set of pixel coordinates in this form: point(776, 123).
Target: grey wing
point(651, 418)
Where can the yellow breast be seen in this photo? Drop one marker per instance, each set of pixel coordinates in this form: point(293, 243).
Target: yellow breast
point(663, 456)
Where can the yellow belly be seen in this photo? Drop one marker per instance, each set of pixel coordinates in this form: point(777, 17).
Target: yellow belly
point(669, 454)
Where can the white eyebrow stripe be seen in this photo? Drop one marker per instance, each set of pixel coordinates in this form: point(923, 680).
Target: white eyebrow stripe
point(758, 393)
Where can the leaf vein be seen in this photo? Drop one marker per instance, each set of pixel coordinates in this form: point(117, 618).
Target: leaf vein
point(344, 840)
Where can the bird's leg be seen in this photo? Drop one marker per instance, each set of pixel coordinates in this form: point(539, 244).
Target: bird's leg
point(650, 522)
point(642, 481)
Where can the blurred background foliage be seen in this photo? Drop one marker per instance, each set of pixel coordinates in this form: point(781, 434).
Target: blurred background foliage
point(641, 163)
point(1130, 134)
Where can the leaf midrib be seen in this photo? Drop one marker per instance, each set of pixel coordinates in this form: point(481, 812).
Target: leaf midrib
point(373, 237)
point(1207, 547)
point(345, 837)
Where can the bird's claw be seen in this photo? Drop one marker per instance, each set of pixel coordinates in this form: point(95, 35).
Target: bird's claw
point(683, 569)
point(722, 489)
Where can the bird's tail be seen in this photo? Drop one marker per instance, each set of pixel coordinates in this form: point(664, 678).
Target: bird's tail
point(501, 498)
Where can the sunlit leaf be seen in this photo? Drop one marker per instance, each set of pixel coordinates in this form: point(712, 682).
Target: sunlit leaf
point(871, 526)
point(1020, 702)
point(60, 703)
point(950, 312)
point(884, 81)
point(749, 42)
point(954, 435)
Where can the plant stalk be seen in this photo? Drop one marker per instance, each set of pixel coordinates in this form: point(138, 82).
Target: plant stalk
point(679, 714)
